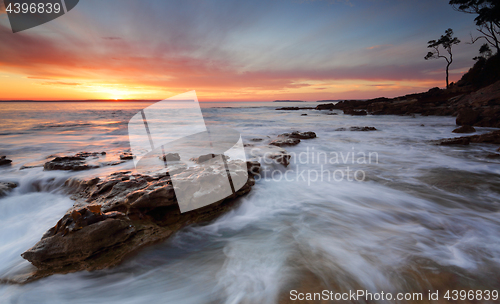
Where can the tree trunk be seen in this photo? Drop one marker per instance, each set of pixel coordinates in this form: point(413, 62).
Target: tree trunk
point(447, 75)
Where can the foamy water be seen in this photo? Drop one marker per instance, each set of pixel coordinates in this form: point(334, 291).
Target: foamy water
point(421, 214)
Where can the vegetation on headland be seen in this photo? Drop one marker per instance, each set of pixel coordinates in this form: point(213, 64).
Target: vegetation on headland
point(474, 99)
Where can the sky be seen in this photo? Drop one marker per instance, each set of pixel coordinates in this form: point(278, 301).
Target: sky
point(233, 50)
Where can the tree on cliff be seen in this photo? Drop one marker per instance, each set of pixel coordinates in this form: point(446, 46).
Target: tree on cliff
point(487, 20)
point(447, 41)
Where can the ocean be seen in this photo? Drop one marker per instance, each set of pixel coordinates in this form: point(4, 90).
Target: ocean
point(384, 210)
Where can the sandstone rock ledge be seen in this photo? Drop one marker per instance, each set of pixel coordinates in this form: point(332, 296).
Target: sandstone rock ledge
point(115, 216)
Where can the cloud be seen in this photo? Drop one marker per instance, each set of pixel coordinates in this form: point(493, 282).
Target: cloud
point(238, 47)
point(61, 83)
point(383, 46)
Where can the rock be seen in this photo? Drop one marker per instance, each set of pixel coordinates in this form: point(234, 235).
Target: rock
point(126, 156)
point(488, 138)
point(295, 108)
point(464, 129)
point(281, 158)
point(207, 157)
point(68, 163)
point(498, 150)
point(303, 114)
point(353, 112)
point(6, 187)
point(4, 161)
point(171, 157)
point(364, 129)
point(266, 153)
point(299, 135)
point(60, 250)
point(256, 139)
point(493, 156)
point(467, 117)
point(327, 106)
point(454, 141)
point(115, 216)
point(332, 114)
point(285, 142)
point(77, 162)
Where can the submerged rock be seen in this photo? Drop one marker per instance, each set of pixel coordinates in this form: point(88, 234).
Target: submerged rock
point(6, 187)
point(454, 141)
point(299, 135)
point(123, 212)
point(4, 161)
point(363, 129)
point(171, 157)
point(493, 156)
point(465, 129)
point(353, 112)
point(285, 142)
point(126, 156)
point(271, 154)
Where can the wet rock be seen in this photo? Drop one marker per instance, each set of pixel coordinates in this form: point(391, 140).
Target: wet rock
point(498, 150)
point(327, 106)
point(467, 117)
point(362, 129)
point(353, 112)
point(203, 158)
point(454, 141)
point(256, 139)
point(294, 108)
point(68, 163)
point(488, 138)
point(59, 250)
point(464, 129)
point(285, 142)
point(126, 156)
point(493, 156)
point(77, 162)
point(332, 114)
point(171, 157)
point(271, 154)
point(90, 154)
point(115, 216)
point(303, 114)
point(6, 187)
point(4, 161)
point(281, 158)
point(299, 135)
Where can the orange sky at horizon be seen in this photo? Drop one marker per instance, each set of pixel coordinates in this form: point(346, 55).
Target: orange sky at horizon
point(11, 86)
point(88, 55)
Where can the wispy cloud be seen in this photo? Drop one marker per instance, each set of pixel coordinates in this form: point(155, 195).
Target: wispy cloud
point(61, 83)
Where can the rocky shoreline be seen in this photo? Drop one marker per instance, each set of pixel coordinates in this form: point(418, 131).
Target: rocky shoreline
point(115, 216)
point(471, 107)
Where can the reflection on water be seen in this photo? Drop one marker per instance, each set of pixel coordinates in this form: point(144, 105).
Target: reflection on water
point(427, 217)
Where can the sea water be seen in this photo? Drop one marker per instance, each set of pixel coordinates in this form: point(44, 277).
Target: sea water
point(409, 216)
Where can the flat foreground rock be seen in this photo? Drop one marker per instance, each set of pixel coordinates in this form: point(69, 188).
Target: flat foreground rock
point(118, 215)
